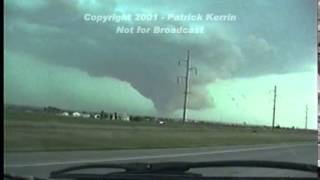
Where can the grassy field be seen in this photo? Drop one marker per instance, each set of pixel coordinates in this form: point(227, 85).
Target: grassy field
point(49, 132)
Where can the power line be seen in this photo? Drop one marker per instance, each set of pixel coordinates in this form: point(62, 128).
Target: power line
point(274, 106)
point(306, 123)
point(186, 83)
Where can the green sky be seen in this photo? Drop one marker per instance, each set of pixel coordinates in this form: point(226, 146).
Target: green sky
point(54, 57)
point(250, 100)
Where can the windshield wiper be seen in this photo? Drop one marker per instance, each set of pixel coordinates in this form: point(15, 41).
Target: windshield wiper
point(13, 177)
point(175, 170)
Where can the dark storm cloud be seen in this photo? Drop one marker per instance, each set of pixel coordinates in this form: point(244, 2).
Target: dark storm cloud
point(56, 32)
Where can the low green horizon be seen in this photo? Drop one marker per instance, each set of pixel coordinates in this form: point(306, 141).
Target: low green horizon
point(48, 132)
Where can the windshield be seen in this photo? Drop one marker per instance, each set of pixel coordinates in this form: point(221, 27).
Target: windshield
point(160, 81)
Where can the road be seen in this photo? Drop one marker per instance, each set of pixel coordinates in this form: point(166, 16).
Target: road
point(318, 154)
point(40, 164)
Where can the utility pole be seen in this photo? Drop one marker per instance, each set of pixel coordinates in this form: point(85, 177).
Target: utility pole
point(186, 83)
point(306, 123)
point(186, 90)
point(274, 106)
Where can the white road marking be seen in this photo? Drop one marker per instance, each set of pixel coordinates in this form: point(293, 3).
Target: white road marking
point(152, 156)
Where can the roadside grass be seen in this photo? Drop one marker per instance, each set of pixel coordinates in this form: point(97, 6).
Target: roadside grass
point(49, 132)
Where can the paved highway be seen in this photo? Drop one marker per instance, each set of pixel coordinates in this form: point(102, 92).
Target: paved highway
point(40, 164)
